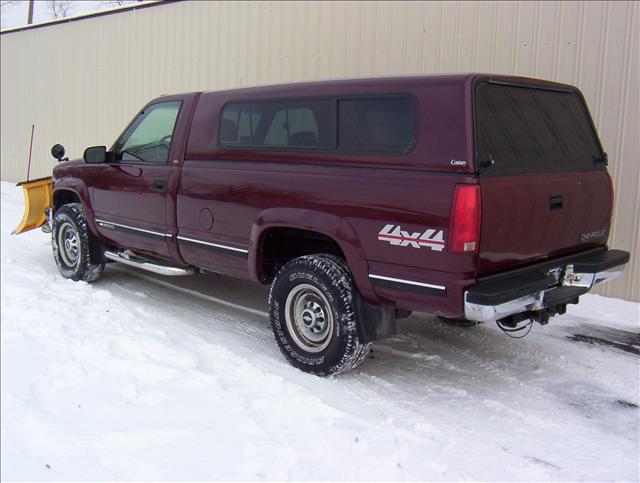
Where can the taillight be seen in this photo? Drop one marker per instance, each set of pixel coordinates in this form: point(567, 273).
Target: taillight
point(610, 197)
point(464, 230)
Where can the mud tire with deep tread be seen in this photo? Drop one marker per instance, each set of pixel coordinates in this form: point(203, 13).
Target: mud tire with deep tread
point(87, 265)
point(330, 275)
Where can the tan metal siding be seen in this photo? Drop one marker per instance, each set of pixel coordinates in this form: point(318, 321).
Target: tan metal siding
point(81, 82)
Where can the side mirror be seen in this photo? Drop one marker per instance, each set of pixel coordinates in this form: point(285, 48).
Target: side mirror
point(57, 151)
point(95, 154)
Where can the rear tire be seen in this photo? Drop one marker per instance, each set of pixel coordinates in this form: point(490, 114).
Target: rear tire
point(74, 249)
point(313, 318)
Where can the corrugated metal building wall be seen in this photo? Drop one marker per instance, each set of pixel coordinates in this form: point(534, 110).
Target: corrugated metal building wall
point(81, 81)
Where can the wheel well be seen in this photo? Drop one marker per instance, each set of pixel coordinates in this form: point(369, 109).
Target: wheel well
point(283, 244)
point(64, 197)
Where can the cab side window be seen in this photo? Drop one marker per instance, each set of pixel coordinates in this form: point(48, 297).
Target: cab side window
point(148, 138)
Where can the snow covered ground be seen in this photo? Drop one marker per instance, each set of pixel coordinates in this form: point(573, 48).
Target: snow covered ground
point(137, 377)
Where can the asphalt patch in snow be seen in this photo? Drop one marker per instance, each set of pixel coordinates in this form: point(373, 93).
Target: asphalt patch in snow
point(623, 340)
point(626, 404)
point(542, 462)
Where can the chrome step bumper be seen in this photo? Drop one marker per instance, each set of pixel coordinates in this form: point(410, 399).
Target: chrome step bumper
point(541, 286)
point(491, 313)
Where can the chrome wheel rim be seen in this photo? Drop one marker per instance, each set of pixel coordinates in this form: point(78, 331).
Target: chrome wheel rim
point(309, 318)
point(69, 244)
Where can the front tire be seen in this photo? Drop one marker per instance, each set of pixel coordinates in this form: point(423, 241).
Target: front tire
point(75, 251)
point(313, 318)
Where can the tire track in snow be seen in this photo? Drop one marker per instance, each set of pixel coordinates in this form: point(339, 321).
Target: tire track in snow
point(195, 293)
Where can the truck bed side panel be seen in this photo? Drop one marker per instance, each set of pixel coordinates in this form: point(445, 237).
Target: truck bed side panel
point(368, 200)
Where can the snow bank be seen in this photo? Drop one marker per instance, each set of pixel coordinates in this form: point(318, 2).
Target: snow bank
point(132, 379)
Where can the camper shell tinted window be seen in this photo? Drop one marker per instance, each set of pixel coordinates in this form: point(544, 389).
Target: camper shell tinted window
point(372, 124)
point(379, 125)
point(521, 129)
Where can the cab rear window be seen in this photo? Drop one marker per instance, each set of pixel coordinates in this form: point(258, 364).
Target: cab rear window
point(528, 129)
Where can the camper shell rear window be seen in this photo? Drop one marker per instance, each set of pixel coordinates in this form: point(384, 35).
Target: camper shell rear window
point(384, 124)
point(523, 129)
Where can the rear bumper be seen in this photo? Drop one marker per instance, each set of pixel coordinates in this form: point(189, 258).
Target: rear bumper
point(546, 285)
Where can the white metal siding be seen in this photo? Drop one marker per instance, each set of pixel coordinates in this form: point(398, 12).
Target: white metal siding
point(80, 82)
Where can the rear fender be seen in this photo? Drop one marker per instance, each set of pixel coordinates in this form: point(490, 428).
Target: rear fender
point(327, 224)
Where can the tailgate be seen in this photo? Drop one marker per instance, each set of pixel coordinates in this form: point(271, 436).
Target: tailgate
point(534, 217)
point(544, 186)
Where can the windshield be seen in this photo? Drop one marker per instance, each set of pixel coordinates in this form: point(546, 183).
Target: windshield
point(529, 129)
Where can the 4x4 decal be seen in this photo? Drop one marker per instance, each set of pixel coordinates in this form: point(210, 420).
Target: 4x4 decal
point(395, 235)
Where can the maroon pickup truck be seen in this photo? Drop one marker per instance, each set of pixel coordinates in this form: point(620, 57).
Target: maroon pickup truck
point(477, 198)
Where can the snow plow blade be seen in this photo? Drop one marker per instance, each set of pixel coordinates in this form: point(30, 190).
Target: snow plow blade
point(37, 198)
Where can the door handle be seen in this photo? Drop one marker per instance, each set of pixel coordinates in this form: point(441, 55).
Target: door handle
point(555, 203)
point(159, 184)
